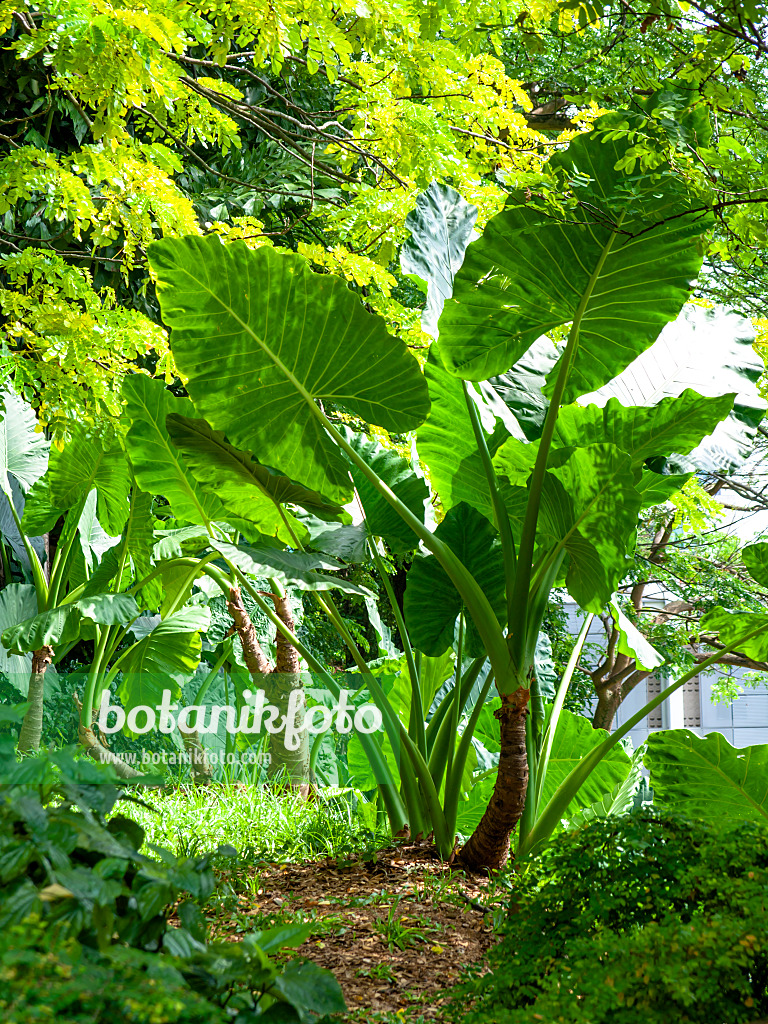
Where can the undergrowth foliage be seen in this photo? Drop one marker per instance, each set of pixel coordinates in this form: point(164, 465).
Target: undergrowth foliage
point(641, 918)
point(102, 915)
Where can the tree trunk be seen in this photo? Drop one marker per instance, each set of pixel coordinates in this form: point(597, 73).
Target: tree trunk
point(202, 772)
point(608, 702)
point(32, 726)
point(255, 659)
point(488, 846)
point(278, 683)
point(100, 753)
point(285, 682)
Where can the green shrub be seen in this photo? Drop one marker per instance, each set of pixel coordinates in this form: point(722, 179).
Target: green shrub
point(99, 914)
point(41, 983)
point(85, 877)
point(635, 919)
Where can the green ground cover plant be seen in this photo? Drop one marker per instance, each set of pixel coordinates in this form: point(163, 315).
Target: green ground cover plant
point(75, 871)
point(646, 917)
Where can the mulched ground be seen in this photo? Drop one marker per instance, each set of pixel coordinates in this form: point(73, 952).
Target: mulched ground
point(396, 929)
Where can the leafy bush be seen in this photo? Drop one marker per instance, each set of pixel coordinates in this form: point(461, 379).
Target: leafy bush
point(635, 919)
point(61, 859)
point(83, 986)
point(99, 913)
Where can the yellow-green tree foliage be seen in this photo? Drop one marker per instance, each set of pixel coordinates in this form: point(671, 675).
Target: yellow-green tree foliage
point(419, 93)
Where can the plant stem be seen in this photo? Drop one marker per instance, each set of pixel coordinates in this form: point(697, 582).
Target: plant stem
point(569, 787)
point(518, 619)
point(500, 513)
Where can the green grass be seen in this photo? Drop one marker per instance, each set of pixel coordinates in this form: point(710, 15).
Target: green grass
point(260, 823)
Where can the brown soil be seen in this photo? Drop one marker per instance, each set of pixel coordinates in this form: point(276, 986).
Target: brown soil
point(396, 930)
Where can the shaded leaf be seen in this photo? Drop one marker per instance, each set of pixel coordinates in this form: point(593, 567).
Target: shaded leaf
point(708, 777)
point(441, 227)
point(432, 603)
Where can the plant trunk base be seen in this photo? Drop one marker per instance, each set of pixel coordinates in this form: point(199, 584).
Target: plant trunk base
point(100, 753)
point(488, 846)
point(31, 733)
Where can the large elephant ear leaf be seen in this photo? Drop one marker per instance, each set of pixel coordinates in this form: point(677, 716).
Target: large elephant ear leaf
point(673, 425)
point(84, 464)
point(262, 339)
point(66, 622)
point(617, 264)
point(23, 446)
point(400, 476)
point(301, 569)
point(432, 603)
point(589, 510)
point(745, 632)
point(164, 658)
point(574, 739)
point(708, 777)
point(755, 558)
point(446, 442)
point(18, 602)
point(709, 351)
point(441, 227)
point(158, 465)
point(521, 388)
point(245, 488)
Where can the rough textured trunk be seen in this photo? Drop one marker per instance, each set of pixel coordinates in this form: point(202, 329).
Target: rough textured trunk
point(608, 702)
point(100, 753)
point(488, 846)
point(278, 683)
point(291, 765)
point(32, 726)
point(202, 772)
point(255, 659)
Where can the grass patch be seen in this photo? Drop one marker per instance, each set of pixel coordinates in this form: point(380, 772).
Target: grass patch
point(260, 823)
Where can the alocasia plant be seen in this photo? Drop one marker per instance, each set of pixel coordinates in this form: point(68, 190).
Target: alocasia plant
point(267, 346)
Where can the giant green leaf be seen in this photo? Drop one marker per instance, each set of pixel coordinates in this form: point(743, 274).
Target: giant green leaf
point(446, 442)
point(18, 603)
point(656, 488)
point(675, 424)
point(23, 445)
point(245, 488)
point(521, 388)
point(94, 542)
point(158, 465)
point(619, 800)
point(381, 520)
point(298, 568)
point(163, 658)
point(618, 262)
point(85, 464)
point(441, 227)
point(736, 630)
point(261, 339)
point(574, 739)
point(755, 558)
point(139, 539)
point(592, 515)
point(66, 622)
point(705, 777)
point(710, 351)
point(432, 603)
